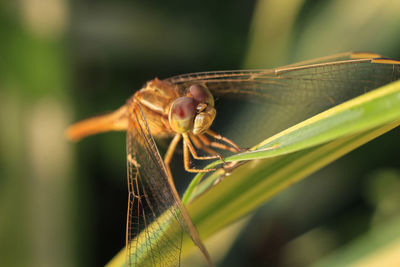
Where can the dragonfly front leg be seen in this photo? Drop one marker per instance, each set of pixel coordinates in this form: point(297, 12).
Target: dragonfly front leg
point(188, 148)
point(207, 142)
point(200, 144)
point(234, 147)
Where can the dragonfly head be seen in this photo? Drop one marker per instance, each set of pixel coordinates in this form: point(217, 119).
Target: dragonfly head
point(194, 112)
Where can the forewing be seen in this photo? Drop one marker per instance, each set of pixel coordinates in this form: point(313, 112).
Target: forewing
point(264, 102)
point(154, 232)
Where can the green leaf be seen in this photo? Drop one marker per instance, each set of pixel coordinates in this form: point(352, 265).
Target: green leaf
point(283, 159)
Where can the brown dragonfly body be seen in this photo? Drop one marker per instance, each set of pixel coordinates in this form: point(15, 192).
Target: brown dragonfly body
point(193, 115)
point(183, 107)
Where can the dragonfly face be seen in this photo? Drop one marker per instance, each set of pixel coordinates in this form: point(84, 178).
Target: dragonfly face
point(194, 112)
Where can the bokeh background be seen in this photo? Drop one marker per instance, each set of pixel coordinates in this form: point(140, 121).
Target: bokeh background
point(64, 204)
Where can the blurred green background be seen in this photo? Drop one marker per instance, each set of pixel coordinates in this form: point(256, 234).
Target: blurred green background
point(64, 204)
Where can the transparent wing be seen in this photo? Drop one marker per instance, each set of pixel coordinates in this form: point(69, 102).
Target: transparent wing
point(265, 102)
point(154, 223)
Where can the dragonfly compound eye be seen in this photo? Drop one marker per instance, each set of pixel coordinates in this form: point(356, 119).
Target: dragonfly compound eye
point(201, 94)
point(182, 113)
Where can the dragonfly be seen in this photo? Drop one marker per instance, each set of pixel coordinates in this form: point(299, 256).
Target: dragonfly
point(183, 108)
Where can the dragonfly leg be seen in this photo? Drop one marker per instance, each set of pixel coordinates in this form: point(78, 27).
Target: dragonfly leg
point(193, 152)
point(235, 147)
point(170, 152)
point(199, 144)
point(208, 142)
point(188, 148)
